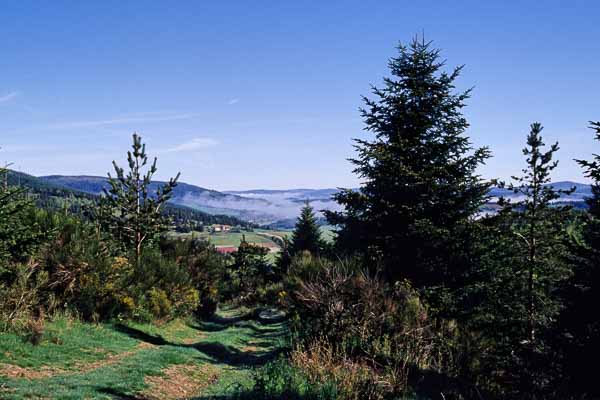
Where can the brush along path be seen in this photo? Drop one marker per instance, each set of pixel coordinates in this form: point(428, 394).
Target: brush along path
point(177, 360)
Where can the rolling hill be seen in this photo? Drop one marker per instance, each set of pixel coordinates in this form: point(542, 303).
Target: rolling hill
point(276, 208)
point(56, 195)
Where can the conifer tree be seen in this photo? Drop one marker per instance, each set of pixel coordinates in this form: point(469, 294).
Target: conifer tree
point(128, 210)
point(250, 267)
point(513, 291)
point(538, 226)
point(420, 186)
point(307, 234)
point(580, 322)
point(523, 271)
point(19, 234)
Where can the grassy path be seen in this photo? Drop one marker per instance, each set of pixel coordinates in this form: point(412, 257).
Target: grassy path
point(178, 360)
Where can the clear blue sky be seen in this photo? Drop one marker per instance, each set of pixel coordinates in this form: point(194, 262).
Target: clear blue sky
point(239, 94)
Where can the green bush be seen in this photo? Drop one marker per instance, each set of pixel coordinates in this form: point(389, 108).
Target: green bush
point(282, 380)
point(363, 324)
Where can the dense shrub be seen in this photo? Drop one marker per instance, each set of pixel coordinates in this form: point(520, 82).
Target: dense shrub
point(283, 380)
point(22, 299)
point(378, 334)
point(205, 269)
point(247, 276)
point(80, 269)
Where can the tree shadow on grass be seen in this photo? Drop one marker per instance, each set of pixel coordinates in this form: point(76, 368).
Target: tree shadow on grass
point(223, 354)
point(117, 394)
point(258, 348)
point(218, 323)
point(141, 335)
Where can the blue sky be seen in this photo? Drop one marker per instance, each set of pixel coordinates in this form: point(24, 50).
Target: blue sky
point(264, 94)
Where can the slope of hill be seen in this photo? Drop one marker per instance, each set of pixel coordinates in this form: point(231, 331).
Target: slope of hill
point(55, 195)
point(582, 191)
point(198, 198)
point(278, 208)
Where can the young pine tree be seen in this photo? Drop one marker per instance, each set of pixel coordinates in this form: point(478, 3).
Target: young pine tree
point(421, 188)
point(527, 268)
point(539, 227)
point(128, 210)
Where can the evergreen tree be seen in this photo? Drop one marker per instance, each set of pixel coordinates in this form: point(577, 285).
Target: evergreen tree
point(516, 301)
point(127, 210)
point(19, 232)
point(592, 171)
point(307, 234)
point(420, 186)
point(539, 226)
point(580, 321)
point(250, 268)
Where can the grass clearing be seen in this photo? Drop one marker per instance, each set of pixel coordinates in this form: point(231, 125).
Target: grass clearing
point(178, 359)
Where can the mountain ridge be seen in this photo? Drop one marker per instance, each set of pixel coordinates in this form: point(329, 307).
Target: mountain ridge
point(267, 206)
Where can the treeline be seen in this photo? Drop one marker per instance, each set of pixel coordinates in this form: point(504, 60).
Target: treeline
point(424, 296)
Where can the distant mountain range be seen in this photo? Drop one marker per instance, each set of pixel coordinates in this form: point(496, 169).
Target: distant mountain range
point(278, 208)
point(582, 191)
point(264, 207)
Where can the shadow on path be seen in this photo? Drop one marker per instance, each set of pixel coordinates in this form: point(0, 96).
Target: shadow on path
point(141, 335)
point(223, 354)
point(258, 348)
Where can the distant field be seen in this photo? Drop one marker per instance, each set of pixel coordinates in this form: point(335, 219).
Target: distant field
point(232, 238)
point(258, 236)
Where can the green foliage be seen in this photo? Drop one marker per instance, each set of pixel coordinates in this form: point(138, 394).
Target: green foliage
point(306, 237)
point(381, 334)
point(128, 210)
point(248, 272)
point(513, 293)
point(421, 187)
point(307, 234)
point(579, 322)
point(20, 298)
point(19, 235)
point(282, 380)
point(538, 228)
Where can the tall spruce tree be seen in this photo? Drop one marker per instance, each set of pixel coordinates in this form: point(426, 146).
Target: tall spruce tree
point(420, 183)
point(128, 210)
point(307, 234)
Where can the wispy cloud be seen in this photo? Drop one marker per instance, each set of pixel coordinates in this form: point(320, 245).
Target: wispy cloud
point(8, 97)
point(192, 145)
point(233, 101)
point(127, 119)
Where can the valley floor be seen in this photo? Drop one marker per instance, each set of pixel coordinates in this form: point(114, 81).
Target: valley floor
point(178, 360)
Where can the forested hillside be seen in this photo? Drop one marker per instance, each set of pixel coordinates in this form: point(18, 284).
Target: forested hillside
point(60, 195)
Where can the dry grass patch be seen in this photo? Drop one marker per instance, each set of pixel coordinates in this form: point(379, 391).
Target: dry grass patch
point(193, 340)
point(14, 371)
point(180, 382)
